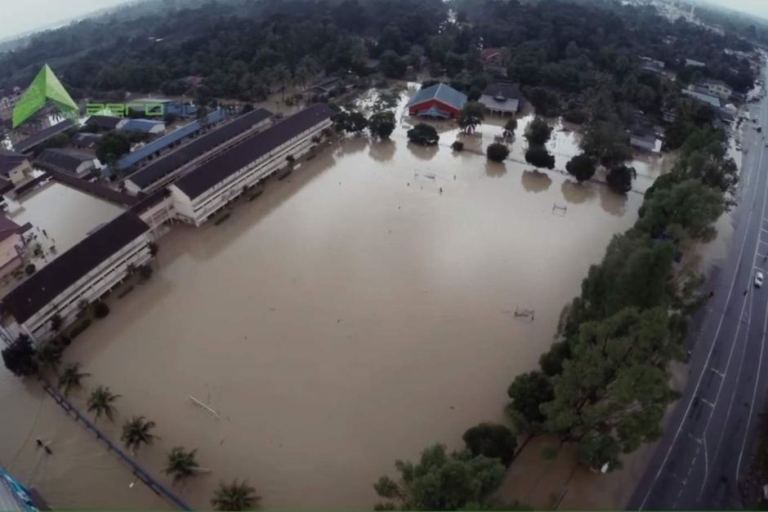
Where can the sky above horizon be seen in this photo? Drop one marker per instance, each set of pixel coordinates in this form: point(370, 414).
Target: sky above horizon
point(20, 17)
point(24, 16)
point(755, 7)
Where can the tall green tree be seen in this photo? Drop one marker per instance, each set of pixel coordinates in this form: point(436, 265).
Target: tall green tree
point(382, 124)
point(137, 432)
point(538, 132)
point(528, 391)
point(441, 481)
point(491, 440)
point(471, 115)
point(181, 463)
point(101, 402)
point(19, 357)
point(71, 378)
point(235, 496)
point(581, 167)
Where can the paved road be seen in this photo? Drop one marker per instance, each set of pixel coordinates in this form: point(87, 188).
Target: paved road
point(710, 433)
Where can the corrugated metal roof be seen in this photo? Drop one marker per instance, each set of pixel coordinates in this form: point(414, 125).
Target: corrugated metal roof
point(9, 161)
point(441, 92)
point(216, 170)
point(141, 125)
point(165, 141)
point(165, 165)
point(64, 159)
point(43, 135)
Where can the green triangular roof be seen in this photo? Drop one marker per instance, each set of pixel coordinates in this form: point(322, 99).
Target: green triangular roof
point(46, 86)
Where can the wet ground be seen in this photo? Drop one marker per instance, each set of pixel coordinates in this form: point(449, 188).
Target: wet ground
point(379, 299)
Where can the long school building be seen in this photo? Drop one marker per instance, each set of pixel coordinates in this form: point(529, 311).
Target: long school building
point(205, 190)
point(81, 275)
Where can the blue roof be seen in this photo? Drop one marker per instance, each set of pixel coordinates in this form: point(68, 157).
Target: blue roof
point(140, 125)
point(163, 142)
point(440, 92)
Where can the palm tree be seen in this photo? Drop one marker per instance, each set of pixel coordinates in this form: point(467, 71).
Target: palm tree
point(49, 356)
point(100, 402)
point(235, 496)
point(136, 432)
point(181, 464)
point(71, 378)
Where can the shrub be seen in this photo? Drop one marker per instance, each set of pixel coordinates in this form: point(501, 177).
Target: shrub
point(540, 157)
point(30, 269)
point(620, 178)
point(424, 135)
point(581, 167)
point(100, 309)
point(497, 152)
point(19, 357)
point(491, 440)
point(457, 146)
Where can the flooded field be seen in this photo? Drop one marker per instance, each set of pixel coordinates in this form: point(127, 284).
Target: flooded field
point(354, 313)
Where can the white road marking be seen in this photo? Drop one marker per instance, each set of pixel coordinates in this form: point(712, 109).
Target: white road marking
point(709, 354)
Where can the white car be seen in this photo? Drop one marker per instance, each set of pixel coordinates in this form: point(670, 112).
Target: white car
point(759, 279)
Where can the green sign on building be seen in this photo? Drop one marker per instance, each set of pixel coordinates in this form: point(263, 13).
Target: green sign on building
point(46, 86)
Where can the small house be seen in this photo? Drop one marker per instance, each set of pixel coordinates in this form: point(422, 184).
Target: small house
point(14, 167)
point(501, 98)
point(70, 161)
point(438, 101)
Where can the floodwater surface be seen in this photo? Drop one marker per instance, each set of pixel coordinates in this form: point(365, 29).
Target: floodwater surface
point(378, 300)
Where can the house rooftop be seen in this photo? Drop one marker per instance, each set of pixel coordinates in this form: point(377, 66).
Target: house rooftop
point(216, 170)
point(43, 135)
point(163, 166)
point(141, 125)
point(7, 227)
point(104, 122)
point(441, 92)
point(44, 286)
point(63, 159)
point(9, 161)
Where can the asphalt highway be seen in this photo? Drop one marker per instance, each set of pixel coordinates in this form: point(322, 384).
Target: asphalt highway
point(710, 434)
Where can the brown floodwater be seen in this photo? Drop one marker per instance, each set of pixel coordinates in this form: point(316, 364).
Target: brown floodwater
point(354, 313)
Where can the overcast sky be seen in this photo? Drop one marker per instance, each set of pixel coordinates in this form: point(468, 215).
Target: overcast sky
point(20, 16)
point(757, 7)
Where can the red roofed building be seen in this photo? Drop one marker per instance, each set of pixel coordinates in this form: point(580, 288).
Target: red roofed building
point(438, 101)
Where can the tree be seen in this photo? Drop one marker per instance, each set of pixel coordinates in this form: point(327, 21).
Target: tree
point(56, 322)
point(19, 357)
point(607, 142)
point(457, 146)
point(100, 309)
point(510, 126)
point(620, 178)
point(392, 65)
point(136, 432)
point(181, 464)
point(111, 147)
point(350, 122)
point(101, 402)
point(491, 440)
point(540, 157)
point(49, 356)
point(497, 152)
point(528, 391)
point(613, 391)
point(581, 167)
point(471, 115)
point(538, 132)
point(235, 496)
point(441, 481)
point(688, 208)
point(382, 124)
point(71, 378)
point(423, 134)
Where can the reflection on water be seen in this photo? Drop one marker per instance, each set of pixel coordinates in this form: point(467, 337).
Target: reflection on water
point(534, 181)
point(495, 169)
point(382, 151)
point(309, 328)
point(576, 193)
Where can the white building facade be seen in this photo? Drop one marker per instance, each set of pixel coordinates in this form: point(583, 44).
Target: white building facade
point(207, 189)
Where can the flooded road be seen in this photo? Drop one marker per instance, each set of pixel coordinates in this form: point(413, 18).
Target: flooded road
point(356, 312)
